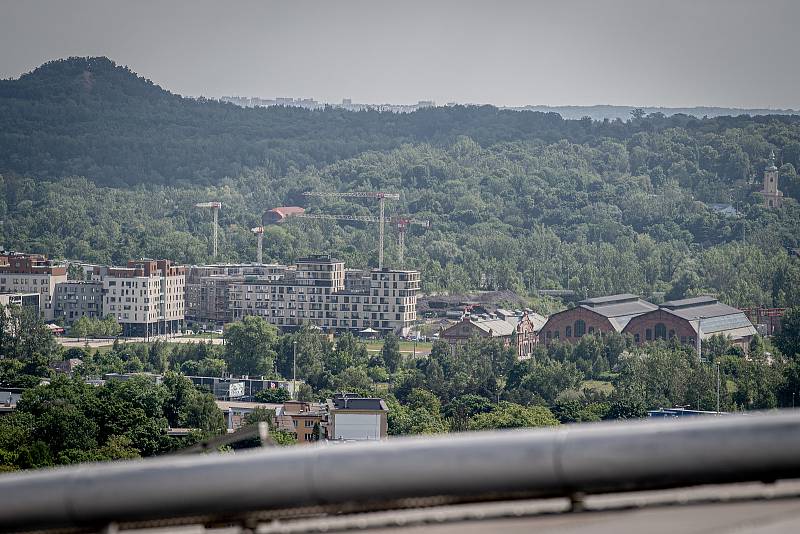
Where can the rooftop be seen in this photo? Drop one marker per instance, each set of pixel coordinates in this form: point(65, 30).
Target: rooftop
point(350, 401)
point(609, 299)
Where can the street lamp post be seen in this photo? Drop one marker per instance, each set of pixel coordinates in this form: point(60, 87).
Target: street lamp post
point(294, 371)
point(717, 388)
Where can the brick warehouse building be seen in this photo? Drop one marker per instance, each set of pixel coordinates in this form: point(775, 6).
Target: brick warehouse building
point(681, 319)
point(600, 314)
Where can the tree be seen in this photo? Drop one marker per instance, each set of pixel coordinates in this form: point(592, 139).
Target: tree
point(110, 326)
point(510, 415)
point(788, 339)
point(250, 346)
point(391, 352)
point(81, 328)
point(273, 396)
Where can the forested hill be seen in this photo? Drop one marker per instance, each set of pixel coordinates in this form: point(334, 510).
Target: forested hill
point(92, 118)
point(100, 165)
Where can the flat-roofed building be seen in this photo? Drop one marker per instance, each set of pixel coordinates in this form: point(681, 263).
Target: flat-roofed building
point(301, 419)
point(78, 298)
point(685, 319)
point(355, 418)
point(147, 297)
point(23, 300)
point(32, 273)
point(208, 288)
point(601, 314)
point(318, 291)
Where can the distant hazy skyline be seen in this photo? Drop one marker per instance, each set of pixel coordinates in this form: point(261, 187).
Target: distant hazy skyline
point(677, 53)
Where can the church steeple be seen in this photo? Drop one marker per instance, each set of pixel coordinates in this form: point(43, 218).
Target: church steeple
point(772, 197)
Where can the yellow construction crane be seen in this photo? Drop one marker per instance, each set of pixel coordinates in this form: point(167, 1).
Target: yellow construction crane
point(215, 207)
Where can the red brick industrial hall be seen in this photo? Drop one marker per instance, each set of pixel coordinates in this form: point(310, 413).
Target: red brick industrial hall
point(646, 322)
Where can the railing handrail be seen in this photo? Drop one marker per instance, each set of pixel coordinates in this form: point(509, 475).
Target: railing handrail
point(593, 458)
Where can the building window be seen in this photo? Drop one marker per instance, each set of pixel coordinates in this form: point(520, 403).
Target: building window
point(580, 328)
point(636, 338)
point(648, 335)
point(568, 331)
point(661, 331)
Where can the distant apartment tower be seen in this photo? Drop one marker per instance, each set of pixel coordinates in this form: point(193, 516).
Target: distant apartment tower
point(319, 291)
point(773, 198)
point(146, 297)
point(78, 298)
point(32, 273)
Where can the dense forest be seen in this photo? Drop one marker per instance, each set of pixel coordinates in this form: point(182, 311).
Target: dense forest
point(100, 165)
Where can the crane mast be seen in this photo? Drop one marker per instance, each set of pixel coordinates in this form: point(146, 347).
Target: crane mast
point(259, 231)
point(401, 223)
point(381, 196)
point(215, 207)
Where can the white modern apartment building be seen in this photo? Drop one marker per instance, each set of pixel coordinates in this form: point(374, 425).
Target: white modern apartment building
point(147, 297)
point(319, 291)
point(32, 273)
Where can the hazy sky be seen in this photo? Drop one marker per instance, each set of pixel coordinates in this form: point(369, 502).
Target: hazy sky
point(732, 53)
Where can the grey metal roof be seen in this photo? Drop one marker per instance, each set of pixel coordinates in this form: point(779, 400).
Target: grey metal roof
point(620, 310)
point(694, 301)
point(498, 327)
point(608, 299)
point(714, 316)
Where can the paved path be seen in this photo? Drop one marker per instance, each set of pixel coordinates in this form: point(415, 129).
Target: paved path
point(95, 343)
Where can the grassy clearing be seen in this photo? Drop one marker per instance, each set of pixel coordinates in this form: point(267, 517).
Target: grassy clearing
point(598, 385)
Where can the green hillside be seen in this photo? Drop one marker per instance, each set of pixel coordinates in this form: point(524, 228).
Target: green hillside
point(102, 165)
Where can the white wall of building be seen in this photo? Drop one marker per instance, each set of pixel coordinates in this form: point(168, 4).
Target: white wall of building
point(357, 426)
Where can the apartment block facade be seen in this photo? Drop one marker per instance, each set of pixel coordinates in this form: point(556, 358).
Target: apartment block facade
point(78, 298)
point(32, 273)
point(319, 291)
point(208, 289)
point(147, 297)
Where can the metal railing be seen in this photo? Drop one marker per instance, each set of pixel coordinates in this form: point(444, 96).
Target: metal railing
point(563, 461)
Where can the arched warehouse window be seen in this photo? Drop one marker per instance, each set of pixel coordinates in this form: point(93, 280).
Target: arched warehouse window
point(661, 331)
point(580, 328)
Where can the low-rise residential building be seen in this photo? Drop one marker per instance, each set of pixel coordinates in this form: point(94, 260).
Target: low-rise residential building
point(303, 420)
point(32, 273)
point(600, 314)
point(66, 367)
point(354, 418)
point(241, 388)
point(236, 411)
point(77, 298)
point(23, 300)
point(147, 297)
point(686, 319)
point(319, 291)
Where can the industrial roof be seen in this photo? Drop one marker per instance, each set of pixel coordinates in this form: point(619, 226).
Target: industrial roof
point(714, 316)
point(622, 309)
point(685, 303)
point(498, 327)
point(609, 299)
